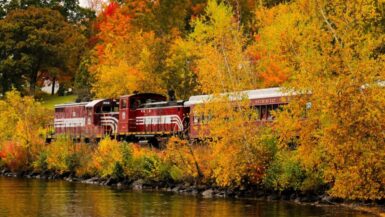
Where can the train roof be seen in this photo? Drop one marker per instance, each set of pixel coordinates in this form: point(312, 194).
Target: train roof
point(71, 104)
point(94, 102)
point(251, 94)
point(162, 104)
point(141, 94)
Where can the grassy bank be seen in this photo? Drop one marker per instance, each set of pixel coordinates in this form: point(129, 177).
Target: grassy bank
point(49, 101)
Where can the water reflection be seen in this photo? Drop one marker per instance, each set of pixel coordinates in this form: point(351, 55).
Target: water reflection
point(20, 197)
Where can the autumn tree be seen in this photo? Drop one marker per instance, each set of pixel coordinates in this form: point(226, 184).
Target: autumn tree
point(179, 74)
point(221, 57)
point(37, 41)
point(217, 54)
point(332, 56)
point(23, 122)
point(125, 57)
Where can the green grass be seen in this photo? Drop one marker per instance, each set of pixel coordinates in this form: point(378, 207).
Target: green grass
point(49, 101)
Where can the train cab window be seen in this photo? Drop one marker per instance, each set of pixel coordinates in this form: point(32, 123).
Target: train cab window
point(124, 103)
point(106, 108)
point(135, 103)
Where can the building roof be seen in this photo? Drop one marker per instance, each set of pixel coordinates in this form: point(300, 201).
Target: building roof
point(250, 94)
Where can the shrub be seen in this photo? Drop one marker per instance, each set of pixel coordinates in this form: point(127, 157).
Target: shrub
point(40, 164)
point(284, 172)
point(176, 173)
point(14, 156)
point(106, 157)
point(64, 156)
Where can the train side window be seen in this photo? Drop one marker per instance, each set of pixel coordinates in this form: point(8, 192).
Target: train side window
point(263, 112)
point(269, 114)
point(196, 119)
point(116, 108)
point(257, 114)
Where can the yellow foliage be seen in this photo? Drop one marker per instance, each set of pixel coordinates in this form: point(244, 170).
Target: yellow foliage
point(124, 59)
point(106, 157)
point(222, 64)
point(182, 155)
point(23, 121)
point(333, 56)
point(239, 153)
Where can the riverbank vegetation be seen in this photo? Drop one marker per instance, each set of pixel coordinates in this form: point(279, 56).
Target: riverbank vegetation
point(330, 54)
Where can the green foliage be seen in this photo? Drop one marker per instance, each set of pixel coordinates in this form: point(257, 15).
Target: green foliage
point(84, 80)
point(176, 173)
point(284, 172)
point(118, 172)
point(179, 74)
point(150, 167)
point(37, 41)
point(68, 8)
point(40, 164)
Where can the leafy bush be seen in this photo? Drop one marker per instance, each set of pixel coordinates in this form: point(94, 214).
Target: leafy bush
point(176, 173)
point(106, 157)
point(40, 164)
point(14, 156)
point(284, 172)
point(64, 156)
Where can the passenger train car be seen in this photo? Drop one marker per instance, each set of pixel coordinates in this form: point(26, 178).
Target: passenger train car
point(148, 116)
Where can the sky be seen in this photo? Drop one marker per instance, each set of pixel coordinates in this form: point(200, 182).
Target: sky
point(83, 3)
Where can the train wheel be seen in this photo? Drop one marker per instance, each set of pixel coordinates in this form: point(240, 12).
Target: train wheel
point(154, 142)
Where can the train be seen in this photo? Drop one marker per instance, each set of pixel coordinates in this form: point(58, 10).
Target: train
point(148, 117)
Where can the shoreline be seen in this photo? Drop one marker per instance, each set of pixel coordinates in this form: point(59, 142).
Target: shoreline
point(207, 191)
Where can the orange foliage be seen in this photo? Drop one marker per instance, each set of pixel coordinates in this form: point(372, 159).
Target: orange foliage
point(274, 75)
point(14, 156)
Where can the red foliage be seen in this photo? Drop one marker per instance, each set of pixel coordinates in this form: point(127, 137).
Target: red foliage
point(14, 156)
point(110, 9)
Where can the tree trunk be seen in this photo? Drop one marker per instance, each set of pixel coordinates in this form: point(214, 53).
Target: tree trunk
point(53, 86)
point(33, 79)
point(4, 84)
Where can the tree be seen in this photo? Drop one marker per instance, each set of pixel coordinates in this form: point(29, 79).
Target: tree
point(22, 123)
point(70, 9)
point(125, 58)
point(37, 42)
point(221, 57)
point(334, 63)
point(179, 74)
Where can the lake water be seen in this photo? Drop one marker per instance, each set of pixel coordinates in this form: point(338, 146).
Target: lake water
point(23, 197)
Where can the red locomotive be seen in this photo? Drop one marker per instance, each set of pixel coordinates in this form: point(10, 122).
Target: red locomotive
point(147, 116)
